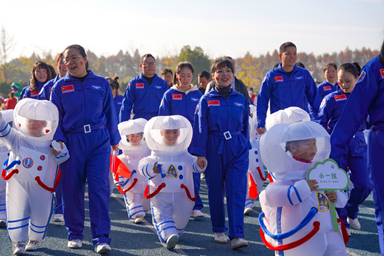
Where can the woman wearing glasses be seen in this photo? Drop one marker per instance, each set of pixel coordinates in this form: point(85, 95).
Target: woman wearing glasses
point(88, 127)
point(144, 92)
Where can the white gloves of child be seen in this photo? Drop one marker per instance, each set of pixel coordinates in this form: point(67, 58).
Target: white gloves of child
point(64, 154)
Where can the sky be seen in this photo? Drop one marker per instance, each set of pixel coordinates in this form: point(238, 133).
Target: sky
point(162, 27)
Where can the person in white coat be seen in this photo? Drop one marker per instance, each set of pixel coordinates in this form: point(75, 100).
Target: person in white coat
point(169, 170)
point(31, 171)
point(291, 205)
point(134, 149)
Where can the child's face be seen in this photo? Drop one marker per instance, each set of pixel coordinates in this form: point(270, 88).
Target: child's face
point(35, 127)
point(135, 138)
point(170, 136)
point(304, 149)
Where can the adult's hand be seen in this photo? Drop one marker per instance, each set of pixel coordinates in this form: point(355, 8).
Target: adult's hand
point(260, 130)
point(115, 147)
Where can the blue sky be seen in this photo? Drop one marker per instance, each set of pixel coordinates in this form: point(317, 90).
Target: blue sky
point(219, 27)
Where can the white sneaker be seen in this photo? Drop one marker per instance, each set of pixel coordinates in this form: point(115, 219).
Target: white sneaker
point(172, 241)
point(238, 243)
point(197, 214)
point(58, 218)
point(102, 248)
point(138, 219)
point(354, 223)
point(32, 246)
point(247, 211)
point(18, 248)
point(220, 238)
point(3, 223)
point(75, 243)
point(349, 232)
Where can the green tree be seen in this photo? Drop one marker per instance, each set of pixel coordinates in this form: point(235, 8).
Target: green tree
point(199, 60)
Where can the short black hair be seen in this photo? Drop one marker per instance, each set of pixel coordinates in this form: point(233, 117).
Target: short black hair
point(205, 74)
point(220, 63)
point(284, 46)
point(146, 56)
point(165, 71)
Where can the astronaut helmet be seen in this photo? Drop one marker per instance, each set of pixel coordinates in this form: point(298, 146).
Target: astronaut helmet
point(287, 116)
point(8, 116)
point(167, 134)
point(36, 119)
point(290, 150)
point(135, 128)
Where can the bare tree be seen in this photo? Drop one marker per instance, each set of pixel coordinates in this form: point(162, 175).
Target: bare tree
point(6, 47)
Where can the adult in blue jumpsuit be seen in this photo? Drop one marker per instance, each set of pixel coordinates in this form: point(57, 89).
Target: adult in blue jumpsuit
point(40, 74)
point(367, 98)
point(88, 126)
point(286, 86)
point(221, 137)
point(330, 111)
point(182, 99)
point(330, 83)
point(144, 92)
point(117, 99)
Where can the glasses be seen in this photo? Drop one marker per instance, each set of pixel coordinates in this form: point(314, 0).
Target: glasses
point(73, 58)
point(150, 65)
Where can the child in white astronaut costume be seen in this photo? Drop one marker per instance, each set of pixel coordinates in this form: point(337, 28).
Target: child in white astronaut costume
point(4, 152)
point(30, 171)
point(169, 170)
point(134, 149)
point(289, 203)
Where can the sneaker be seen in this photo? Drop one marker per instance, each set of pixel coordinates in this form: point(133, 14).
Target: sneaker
point(32, 245)
point(172, 241)
point(354, 223)
point(58, 218)
point(3, 223)
point(349, 232)
point(197, 214)
point(102, 248)
point(75, 243)
point(247, 211)
point(138, 219)
point(220, 238)
point(238, 243)
point(18, 248)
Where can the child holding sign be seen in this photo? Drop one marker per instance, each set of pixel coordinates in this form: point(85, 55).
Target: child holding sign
point(291, 205)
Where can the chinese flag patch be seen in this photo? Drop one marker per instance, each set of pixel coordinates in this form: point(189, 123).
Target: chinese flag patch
point(278, 79)
point(177, 96)
point(67, 88)
point(214, 103)
point(139, 86)
point(327, 88)
point(382, 73)
point(340, 97)
point(34, 93)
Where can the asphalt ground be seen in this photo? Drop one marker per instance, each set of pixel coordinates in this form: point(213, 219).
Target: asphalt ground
point(141, 239)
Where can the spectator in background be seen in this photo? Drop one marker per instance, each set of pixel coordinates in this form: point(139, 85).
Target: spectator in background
point(11, 101)
point(167, 75)
point(117, 99)
point(251, 94)
point(40, 74)
point(203, 78)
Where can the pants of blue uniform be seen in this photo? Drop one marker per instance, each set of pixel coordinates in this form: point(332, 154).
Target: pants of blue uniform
point(59, 201)
point(226, 173)
point(196, 183)
point(89, 162)
point(357, 163)
point(376, 178)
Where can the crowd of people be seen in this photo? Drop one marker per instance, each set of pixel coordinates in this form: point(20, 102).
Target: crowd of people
point(154, 143)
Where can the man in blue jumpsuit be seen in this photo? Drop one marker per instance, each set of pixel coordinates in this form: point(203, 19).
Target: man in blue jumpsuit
point(286, 86)
point(144, 92)
point(367, 97)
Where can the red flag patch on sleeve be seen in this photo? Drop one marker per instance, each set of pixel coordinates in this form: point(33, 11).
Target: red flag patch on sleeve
point(140, 86)
point(340, 97)
point(278, 79)
point(382, 73)
point(67, 88)
point(327, 88)
point(214, 103)
point(177, 96)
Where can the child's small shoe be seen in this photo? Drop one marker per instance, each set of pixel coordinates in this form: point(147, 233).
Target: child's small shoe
point(247, 210)
point(3, 223)
point(32, 245)
point(220, 238)
point(138, 219)
point(172, 241)
point(18, 248)
point(354, 223)
point(238, 243)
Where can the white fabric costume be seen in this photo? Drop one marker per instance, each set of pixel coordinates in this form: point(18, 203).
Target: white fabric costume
point(135, 202)
point(173, 188)
point(4, 153)
point(288, 200)
point(31, 167)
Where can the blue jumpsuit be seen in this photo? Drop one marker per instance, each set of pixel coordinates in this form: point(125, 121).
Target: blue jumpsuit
point(330, 111)
point(367, 97)
point(326, 88)
point(221, 135)
point(285, 91)
point(88, 127)
point(118, 101)
point(26, 93)
point(143, 98)
point(180, 103)
point(45, 92)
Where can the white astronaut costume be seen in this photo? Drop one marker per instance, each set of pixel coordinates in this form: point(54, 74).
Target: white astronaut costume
point(135, 202)
point(4, 153)
point(288, 204)
point(31, 169)
point(285, 116)
point(171, 191)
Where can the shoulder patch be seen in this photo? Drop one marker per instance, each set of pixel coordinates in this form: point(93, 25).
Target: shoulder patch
point(361, 77)
point(327, 88)
point(340, 97)
point(67, 88)
point(278, 79)
point(382, 73)
point(322, 103)
point(264, 80)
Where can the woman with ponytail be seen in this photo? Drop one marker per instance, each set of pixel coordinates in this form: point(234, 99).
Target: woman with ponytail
point(367, 98)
